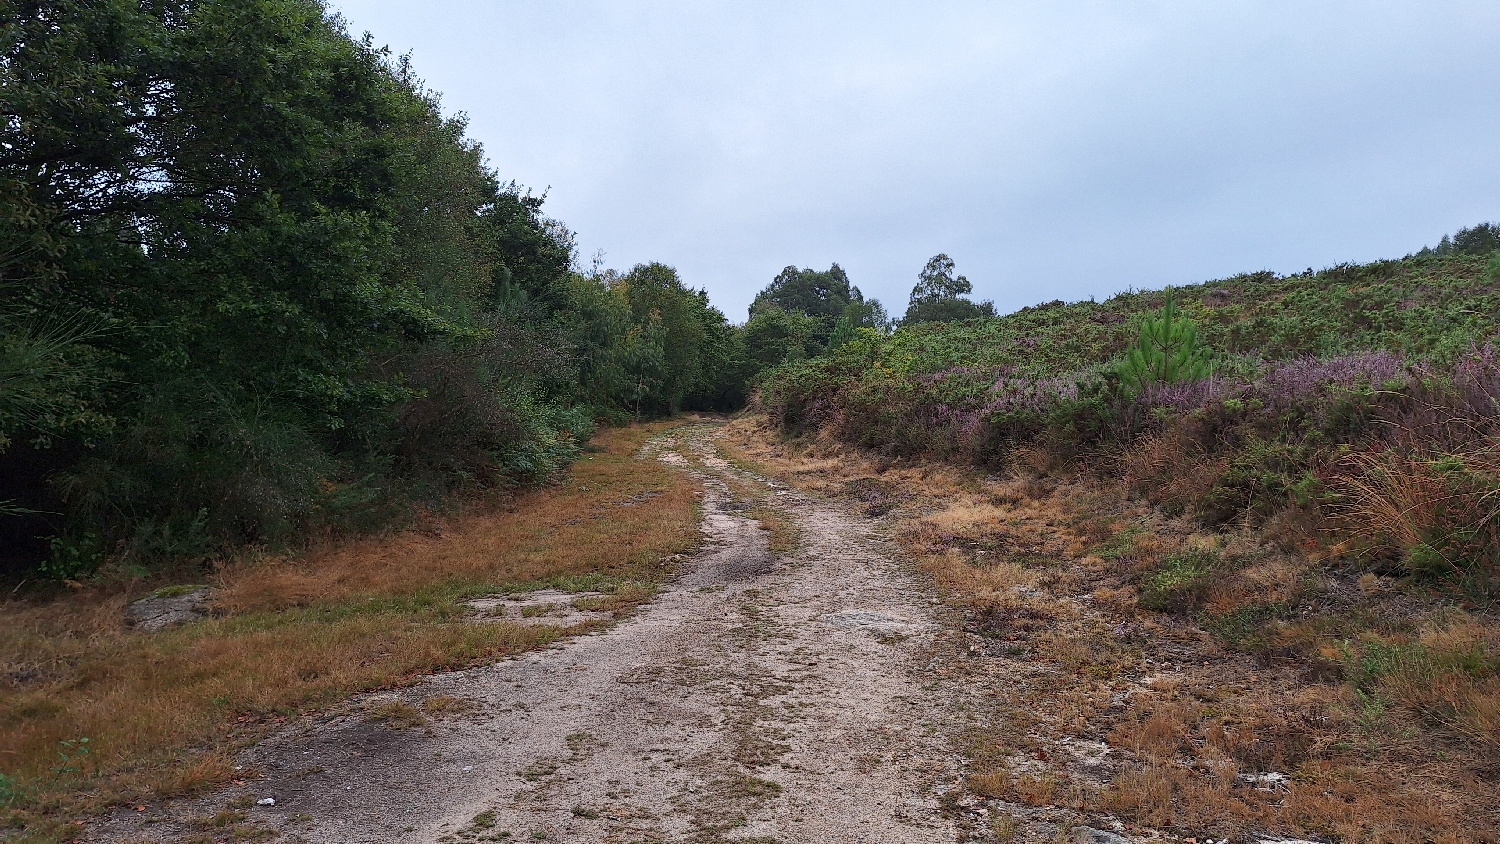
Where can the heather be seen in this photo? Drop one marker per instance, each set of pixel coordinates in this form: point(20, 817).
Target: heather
point(1329, 392)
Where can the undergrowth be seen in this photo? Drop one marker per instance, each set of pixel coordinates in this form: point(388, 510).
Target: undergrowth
point(1270, 592)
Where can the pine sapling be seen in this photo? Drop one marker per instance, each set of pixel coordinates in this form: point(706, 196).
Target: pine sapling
point(1167, 351)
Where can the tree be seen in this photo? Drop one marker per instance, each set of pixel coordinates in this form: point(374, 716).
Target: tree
point(810, 292)
point(867, 313)
point(800, 312)
point(774, 336)
point(938, 296)
point(1167, 351)
point(247, 265)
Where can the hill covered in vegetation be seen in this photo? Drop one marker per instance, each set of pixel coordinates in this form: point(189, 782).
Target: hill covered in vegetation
point(1355, 378)
point(1320, 380)
point(1246, 547)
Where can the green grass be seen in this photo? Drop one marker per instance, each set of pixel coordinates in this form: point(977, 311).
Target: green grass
point(1418, 306)
point(1179, 581)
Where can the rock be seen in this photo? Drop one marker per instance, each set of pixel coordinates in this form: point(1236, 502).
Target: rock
point(1269, 781)
point(169, 607)
point(1089, 835)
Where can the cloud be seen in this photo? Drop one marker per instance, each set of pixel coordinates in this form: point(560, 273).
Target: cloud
point(1055, 149)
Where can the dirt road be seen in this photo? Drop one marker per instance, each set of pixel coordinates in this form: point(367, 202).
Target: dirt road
point(759, 698)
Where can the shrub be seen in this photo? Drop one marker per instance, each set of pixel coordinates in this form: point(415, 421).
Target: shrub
point(1180, 583)
point(1438, 514)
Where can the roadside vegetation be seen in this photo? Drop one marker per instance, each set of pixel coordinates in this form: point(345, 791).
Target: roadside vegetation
point(95, 714)
point(1239, 537)
point(257, 290)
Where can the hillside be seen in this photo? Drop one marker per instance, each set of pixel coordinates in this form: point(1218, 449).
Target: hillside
point(1265, 600)
point(1416, 306)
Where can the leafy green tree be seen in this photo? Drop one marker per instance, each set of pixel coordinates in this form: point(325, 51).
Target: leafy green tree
point(774, 336)
point(1167, 350)
point(657, 296)
point(810, 292)
point(867, 313)
point(252, 279)
point(799, 314)
point(1481, 239)
point(938, 296)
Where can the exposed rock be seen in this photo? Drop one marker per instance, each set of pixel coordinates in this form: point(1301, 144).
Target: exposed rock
point(1090, 835)
point(169, 607)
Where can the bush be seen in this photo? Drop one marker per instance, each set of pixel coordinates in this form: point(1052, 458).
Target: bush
point(1180, 583)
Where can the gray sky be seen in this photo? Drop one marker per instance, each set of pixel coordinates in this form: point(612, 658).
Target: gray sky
point(1055, 149)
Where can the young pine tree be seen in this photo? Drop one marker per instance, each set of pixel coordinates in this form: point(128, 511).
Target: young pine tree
point(1167, 351)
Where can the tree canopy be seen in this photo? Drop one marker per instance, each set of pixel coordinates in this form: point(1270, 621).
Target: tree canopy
point(254, 282)
point(938, 295)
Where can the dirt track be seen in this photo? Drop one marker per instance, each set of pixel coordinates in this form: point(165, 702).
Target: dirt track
point(760, 698)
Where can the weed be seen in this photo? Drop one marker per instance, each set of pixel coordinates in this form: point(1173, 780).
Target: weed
point(1369, 712)
point(74, 754)
point(785, 535)
point(1004, 828)
point(225, 818)
point(1243, 627)
point(743, 785)
point(996, 784)
point(1179, 583)
point(539, 770)
point(1119, 545)
point(447, 705)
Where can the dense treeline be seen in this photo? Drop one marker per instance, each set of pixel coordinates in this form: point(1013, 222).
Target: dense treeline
point(254, 284)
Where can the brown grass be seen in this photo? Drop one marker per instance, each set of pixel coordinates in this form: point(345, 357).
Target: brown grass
point(1438, 511)
point(163, 712)
point(784, 535)
point(1258, 676)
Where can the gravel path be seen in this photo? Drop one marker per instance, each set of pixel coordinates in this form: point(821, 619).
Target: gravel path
point(759, 698)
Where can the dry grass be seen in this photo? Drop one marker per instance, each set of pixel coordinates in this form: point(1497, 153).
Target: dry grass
point(1278, 697)
point(1440, 513)
point(785, 536)
point(163, 712)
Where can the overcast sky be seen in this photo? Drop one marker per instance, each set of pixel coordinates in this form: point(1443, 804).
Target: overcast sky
point(1055, 149)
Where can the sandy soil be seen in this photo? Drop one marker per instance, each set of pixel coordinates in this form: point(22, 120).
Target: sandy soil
point(760, 698)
